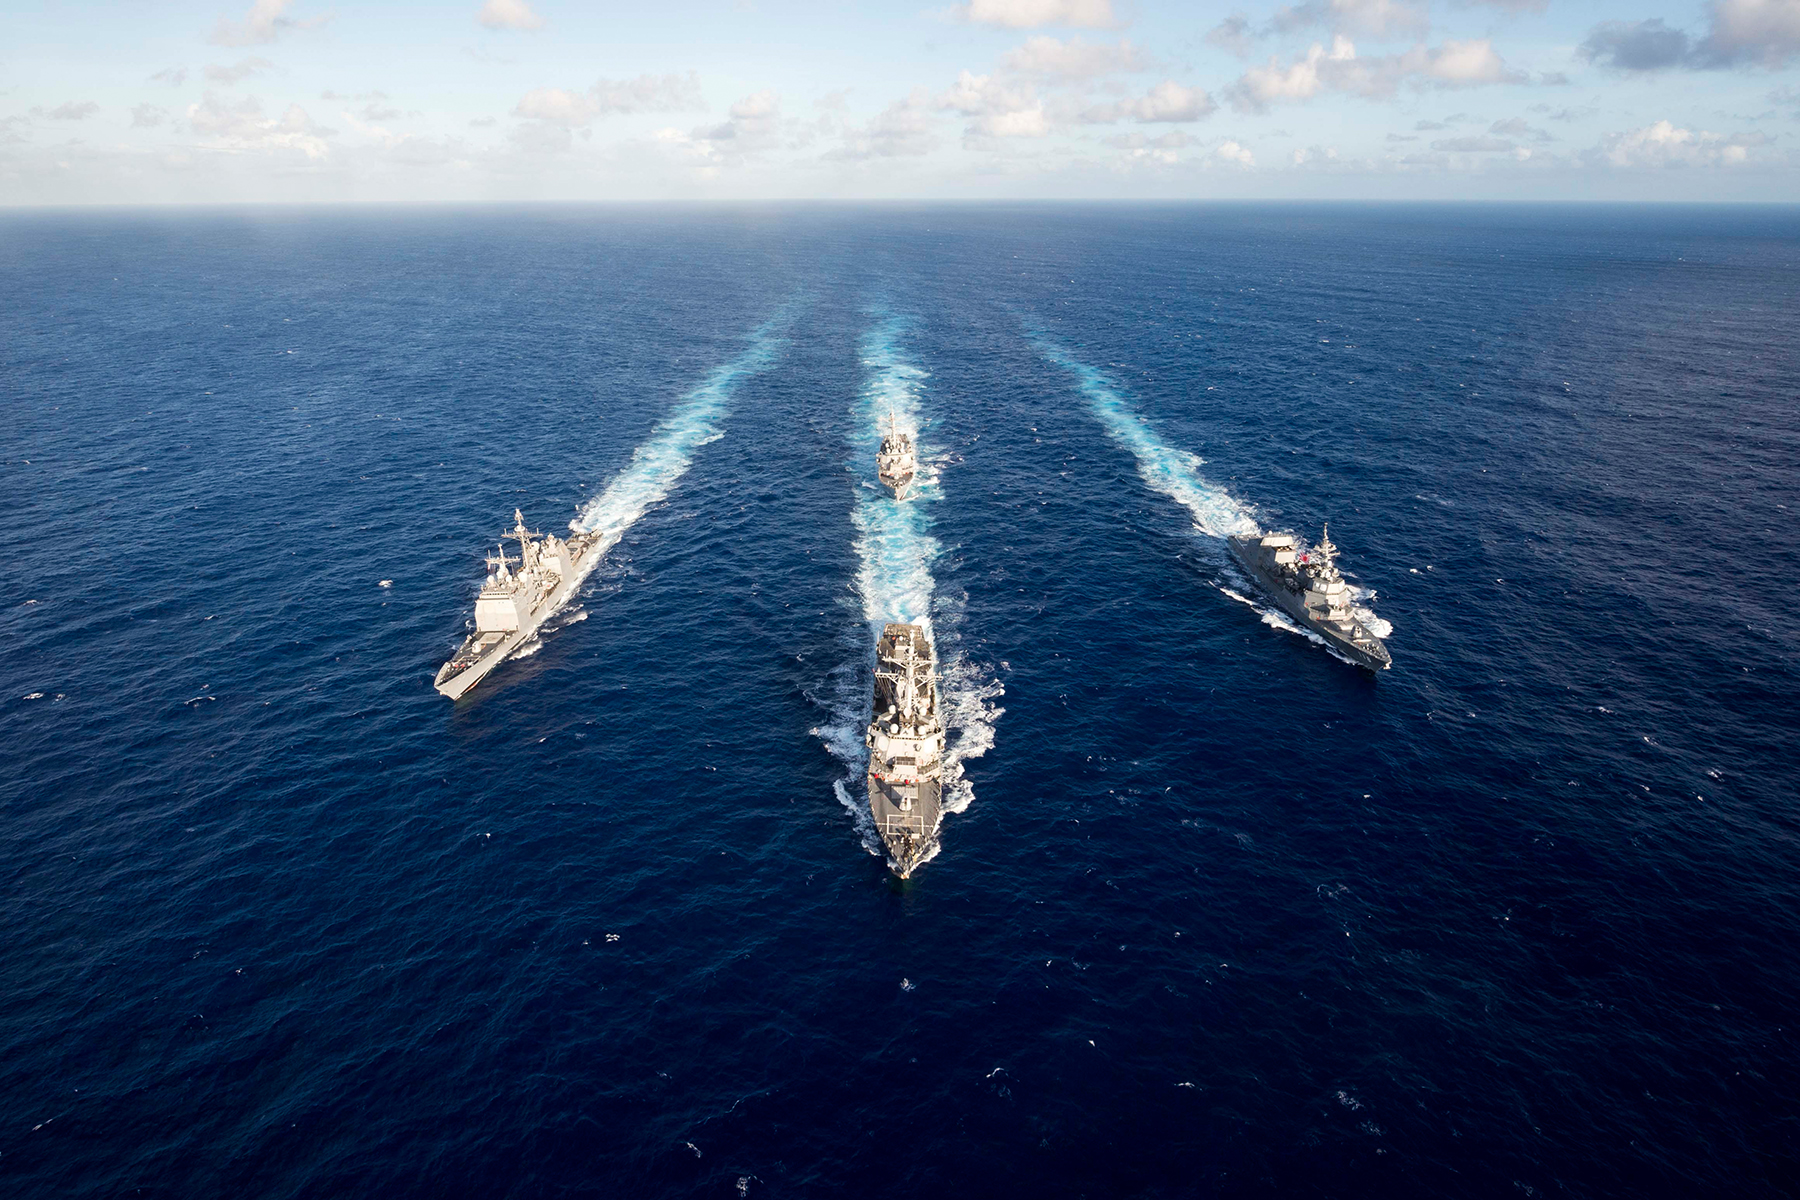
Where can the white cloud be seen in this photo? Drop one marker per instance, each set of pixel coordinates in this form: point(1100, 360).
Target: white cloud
point(557, 106)
point(243, 70)
point(266, 21)
point(148, 116)
point(649, 93)
point(404, 148)
point(1474, 145)
point(538, 138)
point(1034, 14)
point(1664, 145)
point(606, 97)
point(1339, 69)
point(997, 108)
point(753, 126)
point(1048, 58)
point(1466, 64)
point(1231, 35)
point(1175, 139)
point(1520, 127)
point(72, 111)
point(241, 127)
point(509, 14)
point(1743, 32)
point(1262, 86)
point(1766, 32)
point(173, 76)
point(1377, 18)
point(1234, 154)
point(904, 129)
point(370, 130)
point(1167, 101)
point(1160, 151)
point(1030, 122)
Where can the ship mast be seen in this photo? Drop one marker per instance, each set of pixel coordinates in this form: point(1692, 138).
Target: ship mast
point(1326, 549)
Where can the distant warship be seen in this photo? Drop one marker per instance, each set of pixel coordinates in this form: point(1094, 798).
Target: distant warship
point(512, 604)
point(895, 462)
point(1306, 584)
point(906, 746)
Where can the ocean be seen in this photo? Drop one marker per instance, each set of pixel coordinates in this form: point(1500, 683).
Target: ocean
point(1213, 913)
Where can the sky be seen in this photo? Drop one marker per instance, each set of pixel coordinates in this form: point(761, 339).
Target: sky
point(317, 101)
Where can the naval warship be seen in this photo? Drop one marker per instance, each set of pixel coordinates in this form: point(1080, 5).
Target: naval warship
point(906, 746)
point(894, 462)
point(1306, 584)
point(512, 604)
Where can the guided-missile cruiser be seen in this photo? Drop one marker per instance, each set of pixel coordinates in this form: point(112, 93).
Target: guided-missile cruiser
point(1306, 584)
point(512, 604)
point(906, 746)
point(895, 463)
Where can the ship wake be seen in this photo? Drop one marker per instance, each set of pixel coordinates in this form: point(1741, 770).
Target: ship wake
point(894, 584)
point(658, 464)
point(1173, 472)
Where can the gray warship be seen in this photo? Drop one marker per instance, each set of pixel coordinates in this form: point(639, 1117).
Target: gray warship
point(512, 604)
point(906, 746)
point(1306, 584)
point(895, 463)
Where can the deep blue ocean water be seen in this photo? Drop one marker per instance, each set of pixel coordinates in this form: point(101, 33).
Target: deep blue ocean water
point(1217, 914)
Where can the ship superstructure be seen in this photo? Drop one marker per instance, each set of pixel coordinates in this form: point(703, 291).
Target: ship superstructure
point(1306, 583)
point(895, 461)
point(513, 603)
point(906, 746)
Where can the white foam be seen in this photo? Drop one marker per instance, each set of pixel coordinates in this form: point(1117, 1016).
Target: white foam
point(970, 713)
point(1175, 473)
point(1360, 600)
point(658, 464)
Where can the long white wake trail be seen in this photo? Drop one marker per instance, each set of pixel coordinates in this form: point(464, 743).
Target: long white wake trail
point(1176, 474)
point(658, 465)
point(1173, 472)
point(895, 552)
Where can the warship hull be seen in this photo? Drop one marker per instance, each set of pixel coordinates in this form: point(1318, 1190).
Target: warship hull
point(514, 605)
point(489, 650)
point(907, 832)
point(896, 461)
point(1348, 636)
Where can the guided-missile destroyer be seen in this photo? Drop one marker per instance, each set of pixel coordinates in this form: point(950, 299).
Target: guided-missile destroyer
point(512, 604)
point(895, 463)
point(1306, 584)
point(906, 746)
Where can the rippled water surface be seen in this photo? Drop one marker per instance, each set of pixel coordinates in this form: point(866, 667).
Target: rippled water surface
point(1215, 913)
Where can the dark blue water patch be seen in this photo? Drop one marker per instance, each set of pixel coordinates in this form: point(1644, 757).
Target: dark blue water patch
point(1225, 916)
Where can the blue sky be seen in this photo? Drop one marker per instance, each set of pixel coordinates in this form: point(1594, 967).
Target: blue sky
point(507, 100)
